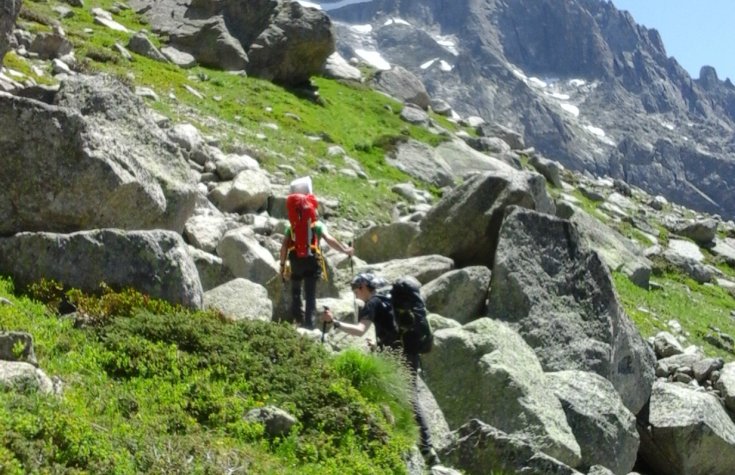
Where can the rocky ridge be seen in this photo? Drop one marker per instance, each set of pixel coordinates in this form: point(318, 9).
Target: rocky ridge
point(569, 76)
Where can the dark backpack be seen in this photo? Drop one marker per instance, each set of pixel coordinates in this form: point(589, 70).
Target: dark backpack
point(302, 214)
point(409, 311)
point(386, 331)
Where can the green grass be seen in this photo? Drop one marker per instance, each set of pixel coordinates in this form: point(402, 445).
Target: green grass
point(366, 124)
point(166, 393)
point(696, 307)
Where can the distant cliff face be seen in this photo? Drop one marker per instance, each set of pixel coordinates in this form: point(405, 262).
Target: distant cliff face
point(580, 79)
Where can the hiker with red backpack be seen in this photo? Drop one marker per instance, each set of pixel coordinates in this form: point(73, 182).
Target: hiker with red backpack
point(301, 246)
point(400, 323)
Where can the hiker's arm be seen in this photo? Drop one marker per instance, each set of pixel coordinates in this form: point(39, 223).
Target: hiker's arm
point(334, 244)
point(354, 329)
point(284, 251)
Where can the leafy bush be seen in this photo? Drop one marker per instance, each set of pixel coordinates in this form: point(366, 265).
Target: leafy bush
point(149, 392)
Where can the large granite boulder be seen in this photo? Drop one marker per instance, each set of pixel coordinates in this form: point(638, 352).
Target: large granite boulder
point(459, 294)
point(94, 159)
point(464, 225)
point(479, 448)
point(156, 263)
point(486, 371)
point(382, 243)
point(403, 85)
point(603, 426)
point(210, 42)
point(560, 296)
point(687, 432)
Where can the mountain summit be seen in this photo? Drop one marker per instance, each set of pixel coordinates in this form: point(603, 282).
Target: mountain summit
point(580, 79)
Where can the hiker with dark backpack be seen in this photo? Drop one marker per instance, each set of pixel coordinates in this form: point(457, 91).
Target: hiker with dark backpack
point(401, 324)
point(301, 246)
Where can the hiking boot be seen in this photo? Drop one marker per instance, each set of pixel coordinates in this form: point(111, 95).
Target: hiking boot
point(430, 456)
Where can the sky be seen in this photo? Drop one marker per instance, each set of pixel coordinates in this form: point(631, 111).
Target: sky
point(695, 32)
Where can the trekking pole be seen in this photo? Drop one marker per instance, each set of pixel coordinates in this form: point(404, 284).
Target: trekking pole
point(352, 276)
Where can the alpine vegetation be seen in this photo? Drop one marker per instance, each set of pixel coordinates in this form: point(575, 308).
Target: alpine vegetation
point(368, 237)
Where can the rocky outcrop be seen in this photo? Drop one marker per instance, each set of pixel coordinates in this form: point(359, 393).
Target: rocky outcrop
point(491, 58)
point(240, 299)
point(403, 85)
point(603, 426)
point(278, 40)
point(480, 448)
point(502, 384)
point(153, 262)
point(382, 243)
point(687, 431)
point(459, 294)
point(465, 224)
point(560, 297)
point(94, 159)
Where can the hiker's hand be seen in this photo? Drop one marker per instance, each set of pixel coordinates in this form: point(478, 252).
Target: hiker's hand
point(350, 251)
point(327, 316)
point(285, 274)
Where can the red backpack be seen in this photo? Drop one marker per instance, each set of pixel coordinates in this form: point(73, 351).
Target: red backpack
point(302, 214)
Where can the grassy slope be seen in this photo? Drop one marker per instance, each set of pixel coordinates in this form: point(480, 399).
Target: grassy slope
point(166, 392)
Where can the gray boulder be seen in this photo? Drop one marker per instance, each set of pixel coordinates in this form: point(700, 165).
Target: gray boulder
point(603, 426)
point(248, 192)
point(139, 43)
point(337, 68)
point(485, 370)
point(726, 385)
point(560, 296)
point(419, 160)
point(464, 225)
point(211, 268)
point(277, 422)
point(204, 231)
point(8, 15)
point(618, 252)
point(459, 294)
point(665, 344)
point(11, 341)
point(702, 231)
point(422, 268)
point(382, 243)
point(153, 262)
point(245, 257)
point(550, 169)
point(95, 159)
point(687, 431)
point(480, 448)
point(51, 45)
point(402, 84)
point(511, 137)
point(293, 47)
point(210, 42)
point(240, 299)
point(24, 377)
